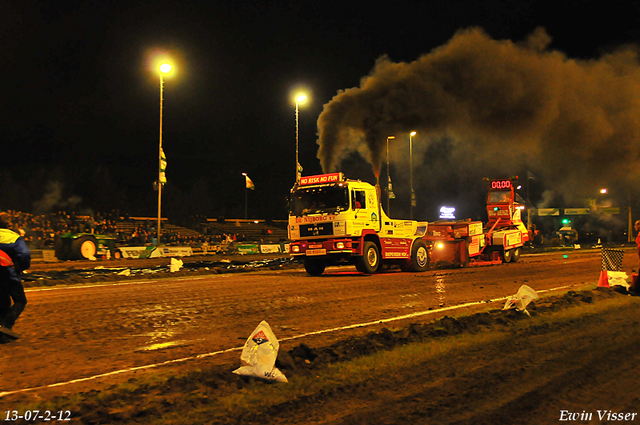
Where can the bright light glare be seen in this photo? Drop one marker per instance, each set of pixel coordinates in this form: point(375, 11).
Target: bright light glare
point(603, 191)
point(165, 67)
point(301, 98)
point(413, 133)
point(391, 137)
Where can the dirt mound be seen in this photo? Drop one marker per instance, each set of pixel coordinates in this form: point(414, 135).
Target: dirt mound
point(141, 399)
point(302, 357)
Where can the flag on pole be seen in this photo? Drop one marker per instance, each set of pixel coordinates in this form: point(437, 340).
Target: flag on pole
point(163, 165)
point(298, 172)
point(249, 182)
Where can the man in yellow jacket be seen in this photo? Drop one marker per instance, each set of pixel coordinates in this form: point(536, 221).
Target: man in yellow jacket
point(15, 257)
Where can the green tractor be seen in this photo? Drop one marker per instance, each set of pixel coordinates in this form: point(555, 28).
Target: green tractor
point(85, 246)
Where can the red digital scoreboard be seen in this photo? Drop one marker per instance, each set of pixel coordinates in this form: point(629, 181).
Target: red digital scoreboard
point(500, 184)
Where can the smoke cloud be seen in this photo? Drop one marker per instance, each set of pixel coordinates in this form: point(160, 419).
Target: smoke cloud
point(53, 198)
point(499, 104)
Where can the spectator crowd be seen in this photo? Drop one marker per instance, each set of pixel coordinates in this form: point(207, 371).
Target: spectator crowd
point(39, 231)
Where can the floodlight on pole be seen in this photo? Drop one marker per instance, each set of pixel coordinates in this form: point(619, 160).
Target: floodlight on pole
point(164, 68)
point(300, 98)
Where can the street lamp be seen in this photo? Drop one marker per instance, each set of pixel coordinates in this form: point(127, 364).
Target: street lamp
point(164, 68)
point(389, 178)
point(301, 98)
point(413, 195)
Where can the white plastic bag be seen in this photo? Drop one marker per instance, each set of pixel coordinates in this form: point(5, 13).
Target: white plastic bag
point(259, 355)
point(617, 278)
point(175, 265)
point(521, 300)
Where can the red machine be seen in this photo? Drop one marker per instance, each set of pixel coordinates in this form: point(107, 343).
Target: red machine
point(466, 242)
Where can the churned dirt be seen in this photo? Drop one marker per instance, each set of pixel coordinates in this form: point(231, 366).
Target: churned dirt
point(95, 348)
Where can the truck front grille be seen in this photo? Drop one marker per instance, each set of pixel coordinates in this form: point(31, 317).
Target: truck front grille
point(321, 229)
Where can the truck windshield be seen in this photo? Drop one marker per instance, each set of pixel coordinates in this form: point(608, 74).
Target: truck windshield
point(318, 200)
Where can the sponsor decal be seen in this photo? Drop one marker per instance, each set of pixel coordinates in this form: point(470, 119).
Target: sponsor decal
point(475, 229)
point(374, 217)
point(321, 179)
point(260, 338)
point(577, 211)
point(513, 238)
point(371, 202)
point(310, 219)
point(395, 254)
point(269, 249)
point(248, 248)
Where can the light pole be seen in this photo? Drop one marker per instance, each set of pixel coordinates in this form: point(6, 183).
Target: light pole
point(164, 68)
point(389, 178)
point(299, 99)
point(413, 195)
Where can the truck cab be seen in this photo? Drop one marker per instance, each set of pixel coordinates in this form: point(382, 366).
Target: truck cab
point(333, 220)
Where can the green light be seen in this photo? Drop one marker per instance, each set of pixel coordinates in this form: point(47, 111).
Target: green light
point(496, 208)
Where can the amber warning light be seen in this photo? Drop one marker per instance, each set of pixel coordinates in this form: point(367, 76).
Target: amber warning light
point(321, 179)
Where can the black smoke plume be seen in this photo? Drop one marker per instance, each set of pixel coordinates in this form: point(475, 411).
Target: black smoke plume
point(498, 105)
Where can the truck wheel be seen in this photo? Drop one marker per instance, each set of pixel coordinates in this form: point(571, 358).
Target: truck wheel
point(117, 254)
point(370, 260)
point(516, 255)
point(314, 266)
point(419, 260)
point(507, 255)
point(84, 248)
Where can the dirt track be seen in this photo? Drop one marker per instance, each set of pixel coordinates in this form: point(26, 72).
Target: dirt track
point(82, 331)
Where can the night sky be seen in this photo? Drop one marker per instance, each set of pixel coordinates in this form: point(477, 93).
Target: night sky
point(80, 112)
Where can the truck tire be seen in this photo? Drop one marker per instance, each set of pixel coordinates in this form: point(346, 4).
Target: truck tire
point(516, 255)
point(507, 255)
point(370, 260)
point(314, 266)
point(419, 260)
point(84, 248)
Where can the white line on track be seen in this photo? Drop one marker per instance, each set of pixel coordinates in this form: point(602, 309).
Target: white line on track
point(228, 350)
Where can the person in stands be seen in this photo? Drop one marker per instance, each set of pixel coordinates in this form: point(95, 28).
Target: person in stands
point(15, 257)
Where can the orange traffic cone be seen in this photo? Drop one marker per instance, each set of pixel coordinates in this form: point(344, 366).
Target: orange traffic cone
point(603, 282)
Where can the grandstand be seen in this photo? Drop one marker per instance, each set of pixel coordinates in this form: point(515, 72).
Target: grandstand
point(238, 229)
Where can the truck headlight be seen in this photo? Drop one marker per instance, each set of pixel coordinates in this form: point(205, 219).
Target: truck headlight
point(295, 248)
point(340, 245)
